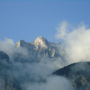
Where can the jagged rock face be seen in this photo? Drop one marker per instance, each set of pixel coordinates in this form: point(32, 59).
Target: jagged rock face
point(39, 48)
point(22, 43)
point(78, 74)
point(39, 43)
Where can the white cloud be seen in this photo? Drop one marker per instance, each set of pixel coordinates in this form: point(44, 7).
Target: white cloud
point(62, 30)
point(76, 43)
point(8, 46)
point(52, 83)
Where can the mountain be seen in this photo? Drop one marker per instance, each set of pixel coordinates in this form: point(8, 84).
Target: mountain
point(27, 65)
point(78, 74)
point(19, 66)
point(38, 49)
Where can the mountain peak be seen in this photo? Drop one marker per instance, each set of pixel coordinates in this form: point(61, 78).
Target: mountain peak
point(20, 43)
point(41, 42)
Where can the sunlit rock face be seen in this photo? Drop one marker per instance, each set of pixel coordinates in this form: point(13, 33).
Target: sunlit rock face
point(41, 42)
point(40, 47)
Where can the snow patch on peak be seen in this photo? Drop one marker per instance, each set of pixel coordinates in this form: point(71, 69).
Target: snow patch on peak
point(41, 42)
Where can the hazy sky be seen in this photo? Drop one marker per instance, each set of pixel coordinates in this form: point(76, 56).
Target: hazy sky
point(27, 19)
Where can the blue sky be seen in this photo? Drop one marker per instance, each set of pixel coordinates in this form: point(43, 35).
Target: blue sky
point(27, 19)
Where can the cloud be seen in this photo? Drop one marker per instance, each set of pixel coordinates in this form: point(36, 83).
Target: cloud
point(62, 30)
point(34, 75)
point(8, 46)
point(39, 76)
point(52, 83)
point(76, 42)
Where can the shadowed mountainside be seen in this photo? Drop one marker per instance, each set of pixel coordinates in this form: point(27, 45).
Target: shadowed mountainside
point(78, 74)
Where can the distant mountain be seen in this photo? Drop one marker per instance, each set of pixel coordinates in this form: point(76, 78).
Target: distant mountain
point(37, 50)
point(78, 74)
point(14, 68)
point(31, 64)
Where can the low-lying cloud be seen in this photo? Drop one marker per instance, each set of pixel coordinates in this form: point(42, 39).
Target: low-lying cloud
point(52, 83)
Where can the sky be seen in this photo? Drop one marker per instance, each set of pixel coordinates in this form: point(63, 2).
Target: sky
point(27, 19)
